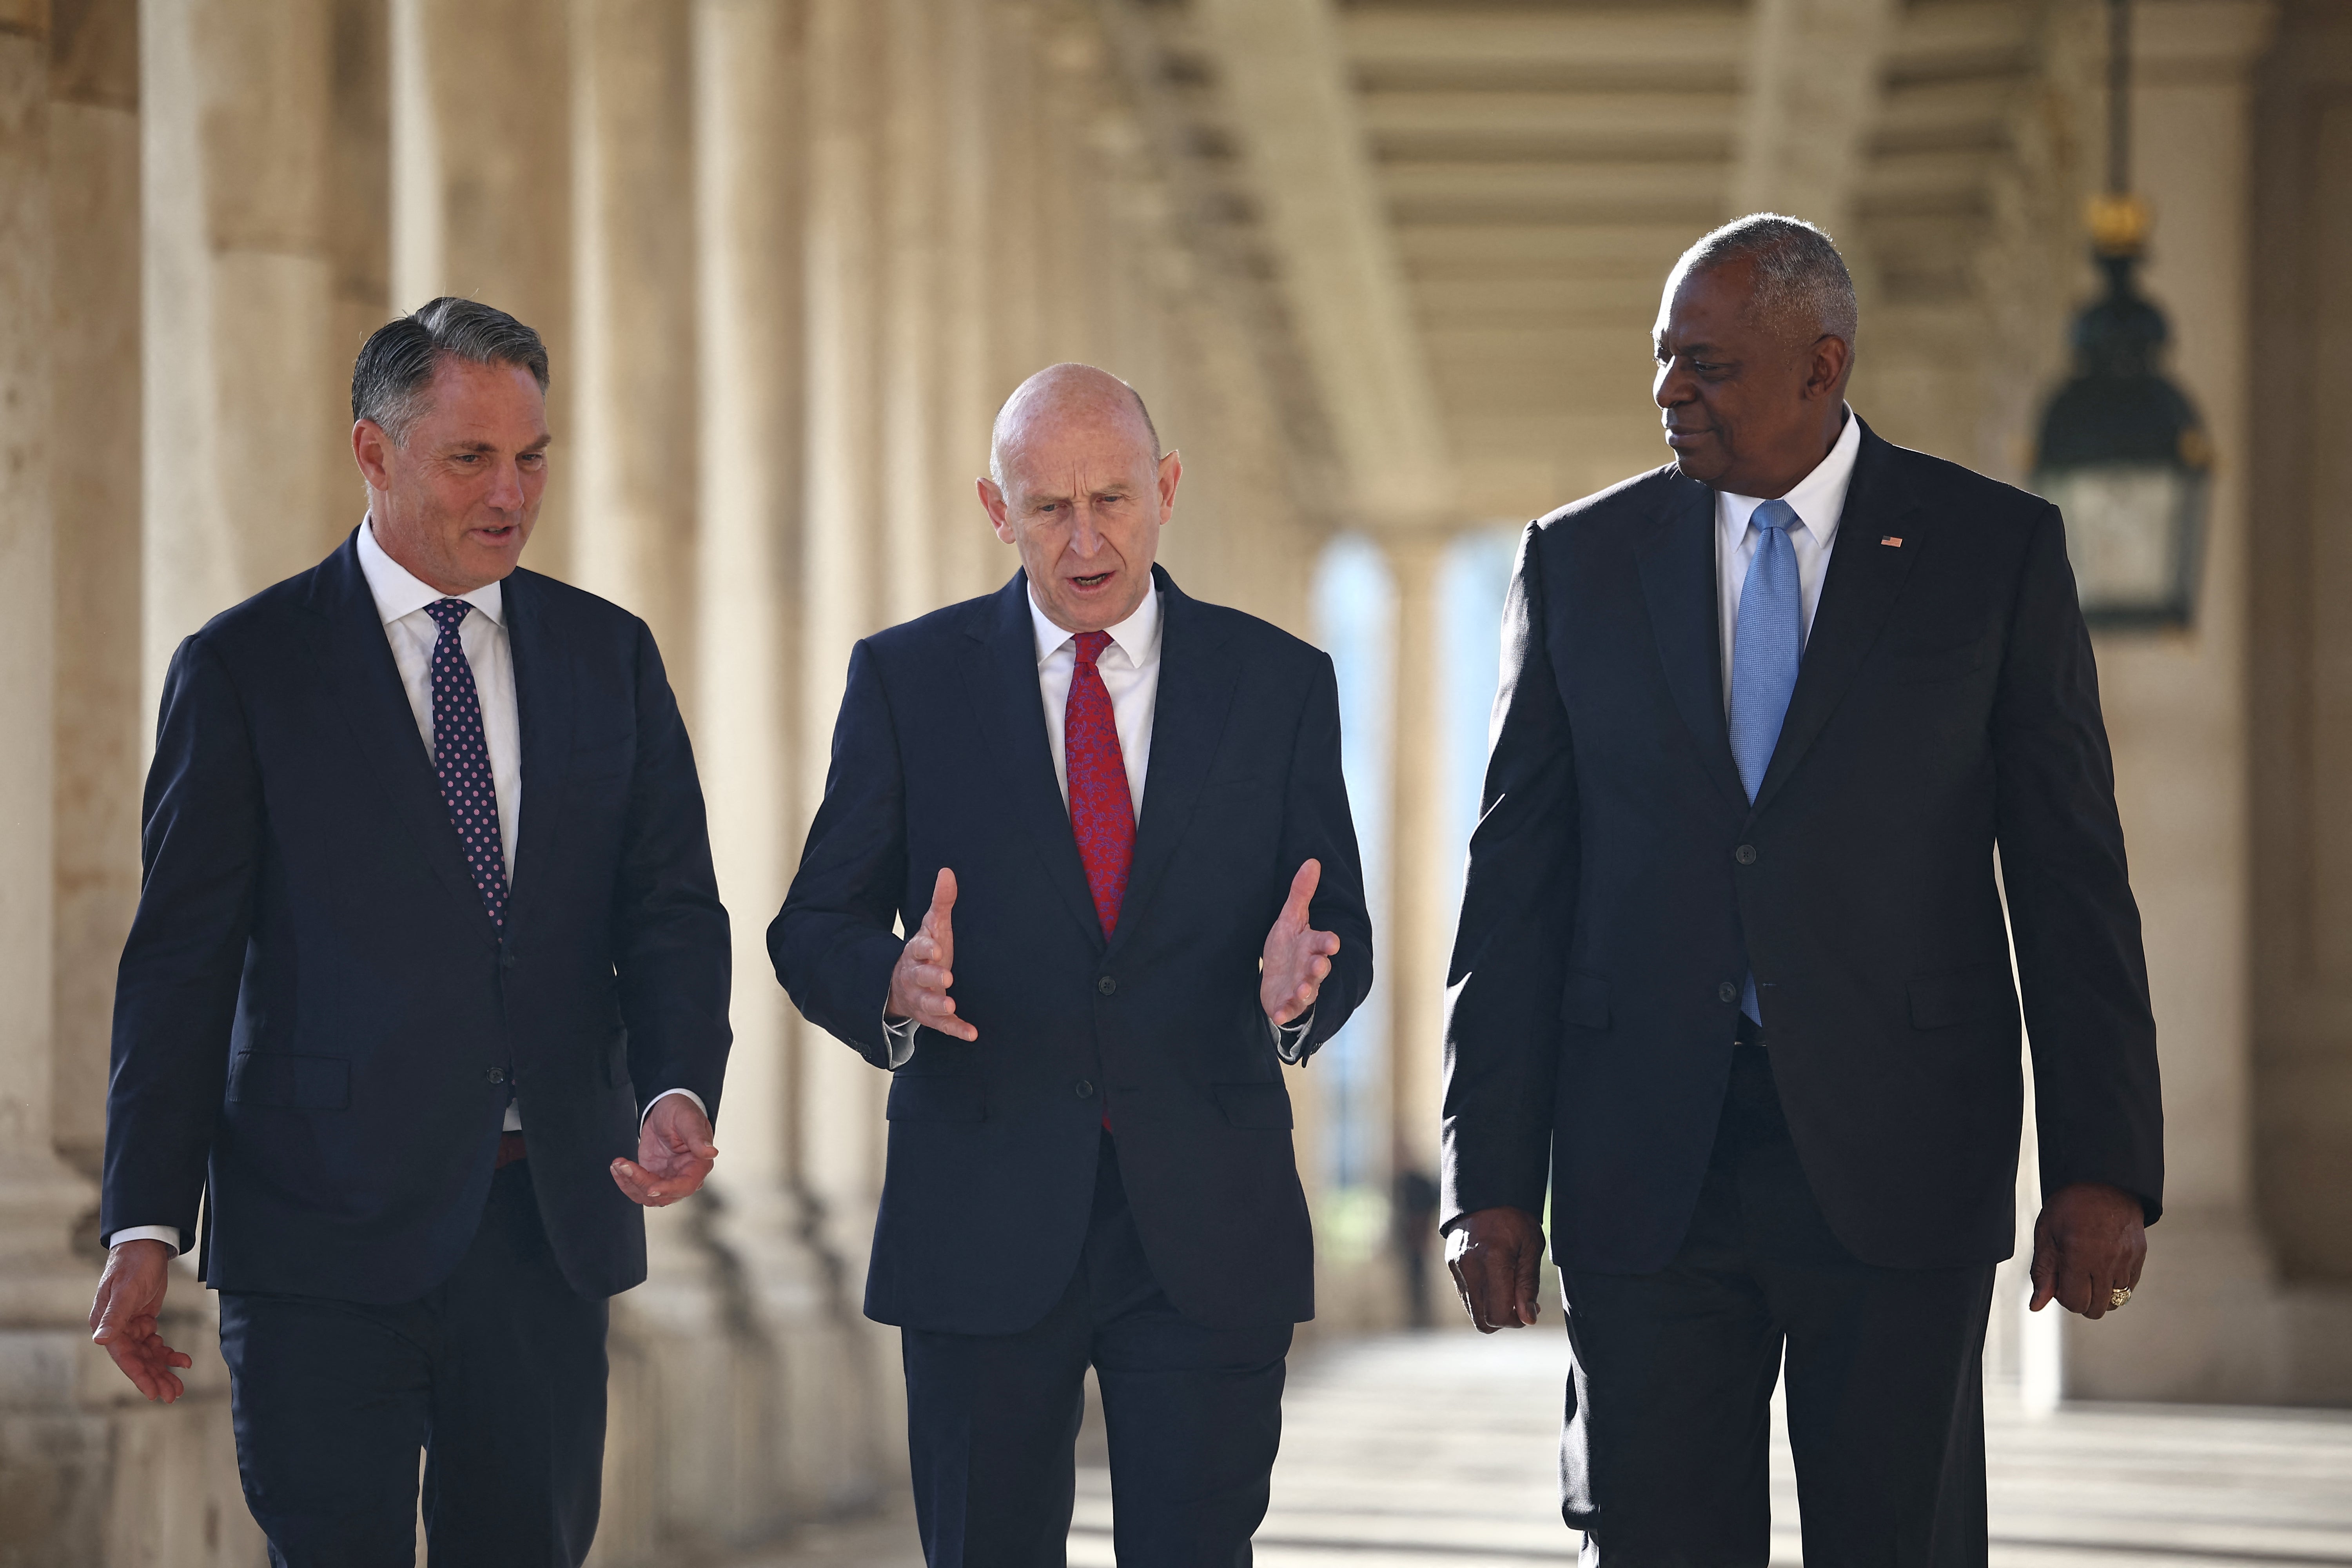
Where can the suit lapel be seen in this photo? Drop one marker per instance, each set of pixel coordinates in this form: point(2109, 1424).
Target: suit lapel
point(356, 660)
point(1001, 686)
point(544, 700)
point(1677, 566)
point(1197, 678)
point(1865, 577)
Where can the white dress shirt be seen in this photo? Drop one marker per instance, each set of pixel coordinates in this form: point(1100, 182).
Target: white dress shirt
point(1129, 667)
point(399, 602)
point(1817, 500)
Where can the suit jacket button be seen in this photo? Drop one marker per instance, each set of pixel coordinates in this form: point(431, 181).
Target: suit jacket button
point(506, 960)
point(1106, 985)
point(496, 1075)
point(1085, 1088)
point(1726, 992)
point(1744, 854)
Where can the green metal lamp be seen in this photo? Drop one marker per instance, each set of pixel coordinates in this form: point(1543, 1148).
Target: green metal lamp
point(2122, 451)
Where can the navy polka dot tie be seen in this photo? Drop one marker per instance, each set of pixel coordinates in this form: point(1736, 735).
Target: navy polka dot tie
point(461, 759)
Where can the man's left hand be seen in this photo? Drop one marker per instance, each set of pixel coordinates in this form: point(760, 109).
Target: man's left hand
point(673, 1155)
point(2089, 1243)
point(1297, 959)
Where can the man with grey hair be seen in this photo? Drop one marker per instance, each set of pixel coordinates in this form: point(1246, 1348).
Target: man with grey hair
point(400, 1058)
point(1732, 985)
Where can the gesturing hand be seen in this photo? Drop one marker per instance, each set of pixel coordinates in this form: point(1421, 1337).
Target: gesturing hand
point(123, 1317)
point(2089, 1242)
point(919, 985)
point(1493, 1253)
point(673, 1155)
point(1292, 968)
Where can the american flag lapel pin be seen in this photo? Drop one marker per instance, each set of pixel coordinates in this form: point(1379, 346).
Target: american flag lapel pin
point(1892, 541)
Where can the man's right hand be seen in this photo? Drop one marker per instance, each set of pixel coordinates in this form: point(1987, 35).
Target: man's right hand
point(123, 1318)
point(1493, 1253)
point(919, 985)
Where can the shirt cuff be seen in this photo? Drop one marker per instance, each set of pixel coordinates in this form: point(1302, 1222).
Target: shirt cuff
point(902, 1039)
point(665, 1094)
point(1290, 1039)
point(170, 1233)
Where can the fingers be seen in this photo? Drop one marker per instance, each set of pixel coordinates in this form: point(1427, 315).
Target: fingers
point(653, 1190)
point(1524, 1300)
point(2044, 1273)
point(938, 921)
point(1302, 893)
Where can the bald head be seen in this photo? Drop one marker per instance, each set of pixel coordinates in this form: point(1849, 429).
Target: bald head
point(1062, 395)
point(1078, 485)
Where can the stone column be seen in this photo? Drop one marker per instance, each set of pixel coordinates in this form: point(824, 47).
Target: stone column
point(913, 180)
point(1413, 944)
point(481, 190)
point(2204, 1325)
point(839, 1103)
point(94, 492)
point(970, 119)
point(633, 509)
point(245, 426)
point(56, 1456)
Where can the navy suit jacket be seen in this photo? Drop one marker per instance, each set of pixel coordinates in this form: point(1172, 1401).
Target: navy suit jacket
point(1621, 882)
point(941, 758)
point(316, 1024)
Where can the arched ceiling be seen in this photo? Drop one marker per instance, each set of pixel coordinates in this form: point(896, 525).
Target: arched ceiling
point(1461, 210)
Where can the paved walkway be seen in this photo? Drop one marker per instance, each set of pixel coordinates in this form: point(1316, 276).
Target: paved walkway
point(1440, 1452)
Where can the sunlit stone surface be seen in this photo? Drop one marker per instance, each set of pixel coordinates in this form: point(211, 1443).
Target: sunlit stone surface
point(1439, 1452)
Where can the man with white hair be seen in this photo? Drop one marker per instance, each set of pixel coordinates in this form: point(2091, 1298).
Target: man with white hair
point(1732, 985)
point(1112, 822)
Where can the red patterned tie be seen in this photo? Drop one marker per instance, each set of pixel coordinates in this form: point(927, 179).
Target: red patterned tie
point(1102, 814)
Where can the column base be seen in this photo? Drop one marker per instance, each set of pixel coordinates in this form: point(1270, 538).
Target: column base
point(2212, 1324)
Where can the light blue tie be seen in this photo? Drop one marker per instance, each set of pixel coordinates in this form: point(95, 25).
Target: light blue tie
point(1766, 648)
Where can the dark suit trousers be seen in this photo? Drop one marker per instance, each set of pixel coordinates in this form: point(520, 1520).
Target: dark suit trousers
point(1663, 1458)
point(498, 1374)
point(1195, 1415)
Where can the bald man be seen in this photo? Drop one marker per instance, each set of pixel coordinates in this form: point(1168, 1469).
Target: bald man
point(1112, 818)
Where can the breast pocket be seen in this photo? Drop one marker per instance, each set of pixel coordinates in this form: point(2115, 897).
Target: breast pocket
point(603, 763)
point(1939, 665)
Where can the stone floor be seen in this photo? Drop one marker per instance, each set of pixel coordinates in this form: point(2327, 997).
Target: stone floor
point(1438, 1452)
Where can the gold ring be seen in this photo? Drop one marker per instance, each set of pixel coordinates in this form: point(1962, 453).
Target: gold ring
point(2119, 1296)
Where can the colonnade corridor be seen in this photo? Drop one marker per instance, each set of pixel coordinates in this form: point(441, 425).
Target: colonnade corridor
point(1440, 1450)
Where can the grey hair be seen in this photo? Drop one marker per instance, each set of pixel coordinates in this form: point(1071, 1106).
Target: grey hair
point(396, 366)
point(1000, 430)
point(1802, 283)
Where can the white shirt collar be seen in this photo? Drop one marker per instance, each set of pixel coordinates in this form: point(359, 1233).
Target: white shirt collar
point(1137, 636)
point(1817, 498)
point(398, 592)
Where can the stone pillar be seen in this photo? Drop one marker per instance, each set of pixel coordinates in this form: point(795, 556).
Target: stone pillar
point(481, 110)
point(913, 179)
point(51, 1505)
point(94, 493)
point(245, 425)
point(970, 119)
point(2203, 1326)
point(358, 197)
point(839, 1103)
point(632, 509)
point(1413, 944)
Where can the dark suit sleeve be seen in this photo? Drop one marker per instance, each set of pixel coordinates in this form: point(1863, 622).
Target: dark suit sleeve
point(833, 942)
point(2070, 902)
point(175, 994)
point(1511, 953)
point(670, 945)
point(1317, 826)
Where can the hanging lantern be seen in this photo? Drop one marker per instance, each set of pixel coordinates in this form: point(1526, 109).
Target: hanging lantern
point(2122, 452)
